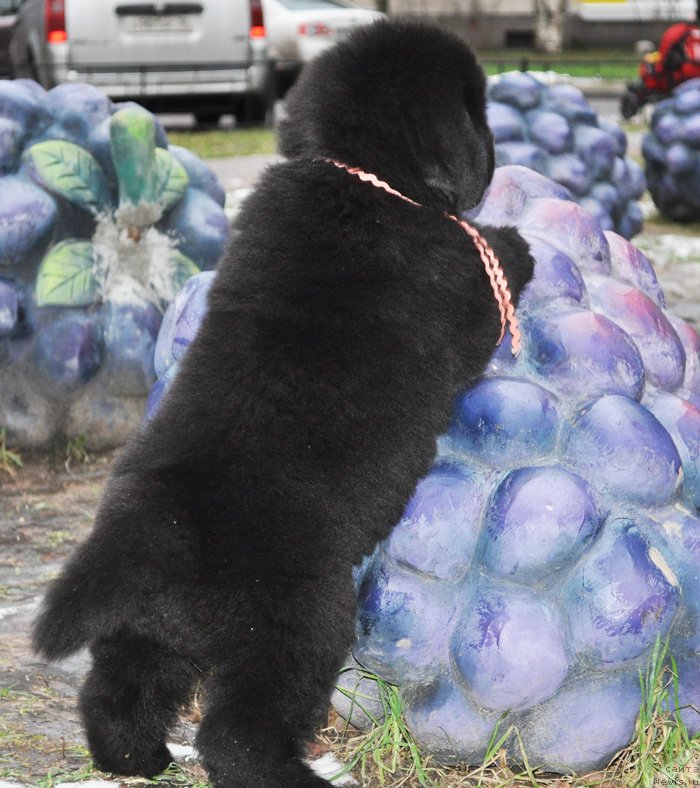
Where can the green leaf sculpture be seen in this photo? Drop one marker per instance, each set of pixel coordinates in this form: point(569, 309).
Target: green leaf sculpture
point(66, 276)
point(183, 269)
point(171, 179)
point(101, 223)
point(133, 141)
point(151, 181)
point(69, 171)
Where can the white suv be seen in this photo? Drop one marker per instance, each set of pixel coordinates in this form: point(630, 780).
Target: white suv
point(208, 56)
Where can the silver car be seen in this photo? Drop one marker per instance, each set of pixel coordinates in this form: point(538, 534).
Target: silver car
point(208, 56)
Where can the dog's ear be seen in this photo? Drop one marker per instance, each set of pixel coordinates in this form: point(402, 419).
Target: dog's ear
point(465, 173)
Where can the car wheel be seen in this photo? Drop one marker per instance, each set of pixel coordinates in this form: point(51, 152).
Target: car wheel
point(207, 118)
point(630, 104)
point(251, 110)
point(284, 79)
point(31, 71)
point(25, 68)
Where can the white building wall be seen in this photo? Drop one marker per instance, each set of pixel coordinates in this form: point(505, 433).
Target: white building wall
point(500, 24)
point(464, 7)
point(592, 10)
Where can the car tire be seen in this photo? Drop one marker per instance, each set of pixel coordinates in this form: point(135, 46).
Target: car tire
point(284, 79)
point(251, 110)
point(26, 69)
point(207, 118)
point(630, 104)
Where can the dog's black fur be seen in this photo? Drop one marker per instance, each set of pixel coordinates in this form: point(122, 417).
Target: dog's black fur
point(341, 325)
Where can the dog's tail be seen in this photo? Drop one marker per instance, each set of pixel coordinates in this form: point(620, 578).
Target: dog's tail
point(118, 577)
point(78, 606)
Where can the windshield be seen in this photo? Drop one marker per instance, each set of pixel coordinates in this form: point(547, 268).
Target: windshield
point(8, 7)
point(304, 5)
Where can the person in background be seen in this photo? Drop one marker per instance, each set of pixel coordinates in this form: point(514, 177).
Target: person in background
point(676, 60)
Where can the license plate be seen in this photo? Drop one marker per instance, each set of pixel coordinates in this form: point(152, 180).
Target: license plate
point(171, 23)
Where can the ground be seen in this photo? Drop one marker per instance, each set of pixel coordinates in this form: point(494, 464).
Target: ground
point(46, 508)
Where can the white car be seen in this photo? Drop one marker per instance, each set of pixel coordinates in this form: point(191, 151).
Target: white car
point(298, 30)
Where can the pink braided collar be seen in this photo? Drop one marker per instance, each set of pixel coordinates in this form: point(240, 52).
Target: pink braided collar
point(498, 280)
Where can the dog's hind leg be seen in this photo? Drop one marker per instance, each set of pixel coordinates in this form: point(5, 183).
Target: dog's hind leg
point(262, 706)
point(130, 700)
point(246, 740)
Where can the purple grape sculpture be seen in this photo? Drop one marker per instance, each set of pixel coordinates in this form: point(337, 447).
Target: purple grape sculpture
point(180, 324)
point(555, 131)
point(102, 222)
point(671, 150)
point(557, 537)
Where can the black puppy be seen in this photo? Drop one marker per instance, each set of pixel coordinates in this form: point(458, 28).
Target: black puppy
point(341, 325)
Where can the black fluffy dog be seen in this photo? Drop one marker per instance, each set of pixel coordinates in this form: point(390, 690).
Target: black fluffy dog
point(341, 325)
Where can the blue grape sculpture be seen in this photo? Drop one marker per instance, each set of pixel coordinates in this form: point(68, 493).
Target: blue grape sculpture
point(557, 536)
point(671, 150)
point(555, 131)
point(102, 222)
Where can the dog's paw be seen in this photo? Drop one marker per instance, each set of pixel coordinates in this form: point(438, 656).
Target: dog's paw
point(327, 766)
point(134, 763)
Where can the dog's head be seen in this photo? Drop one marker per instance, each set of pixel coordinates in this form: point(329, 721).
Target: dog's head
point(404, 101)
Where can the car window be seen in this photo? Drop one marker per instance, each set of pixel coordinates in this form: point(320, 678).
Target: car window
point(303, 5)
point(8, 7)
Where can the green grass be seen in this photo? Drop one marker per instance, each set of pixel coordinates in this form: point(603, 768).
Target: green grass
point(388, 750)
point(57, 539)
point(608, 64)
point(604, 71)
point(661, 749)
point(173, 776)
point(220, 143)
point(76, 451)
point(9, 460)
point(387, 756)
point(57, 776)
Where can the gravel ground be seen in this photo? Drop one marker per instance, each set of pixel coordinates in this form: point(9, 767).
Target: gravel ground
point(676, 259)
point(47, 508)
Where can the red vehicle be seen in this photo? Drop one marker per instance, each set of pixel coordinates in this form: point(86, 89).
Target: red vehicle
point(676, 60)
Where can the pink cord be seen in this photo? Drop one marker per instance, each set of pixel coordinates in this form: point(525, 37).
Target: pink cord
point(498, 280)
